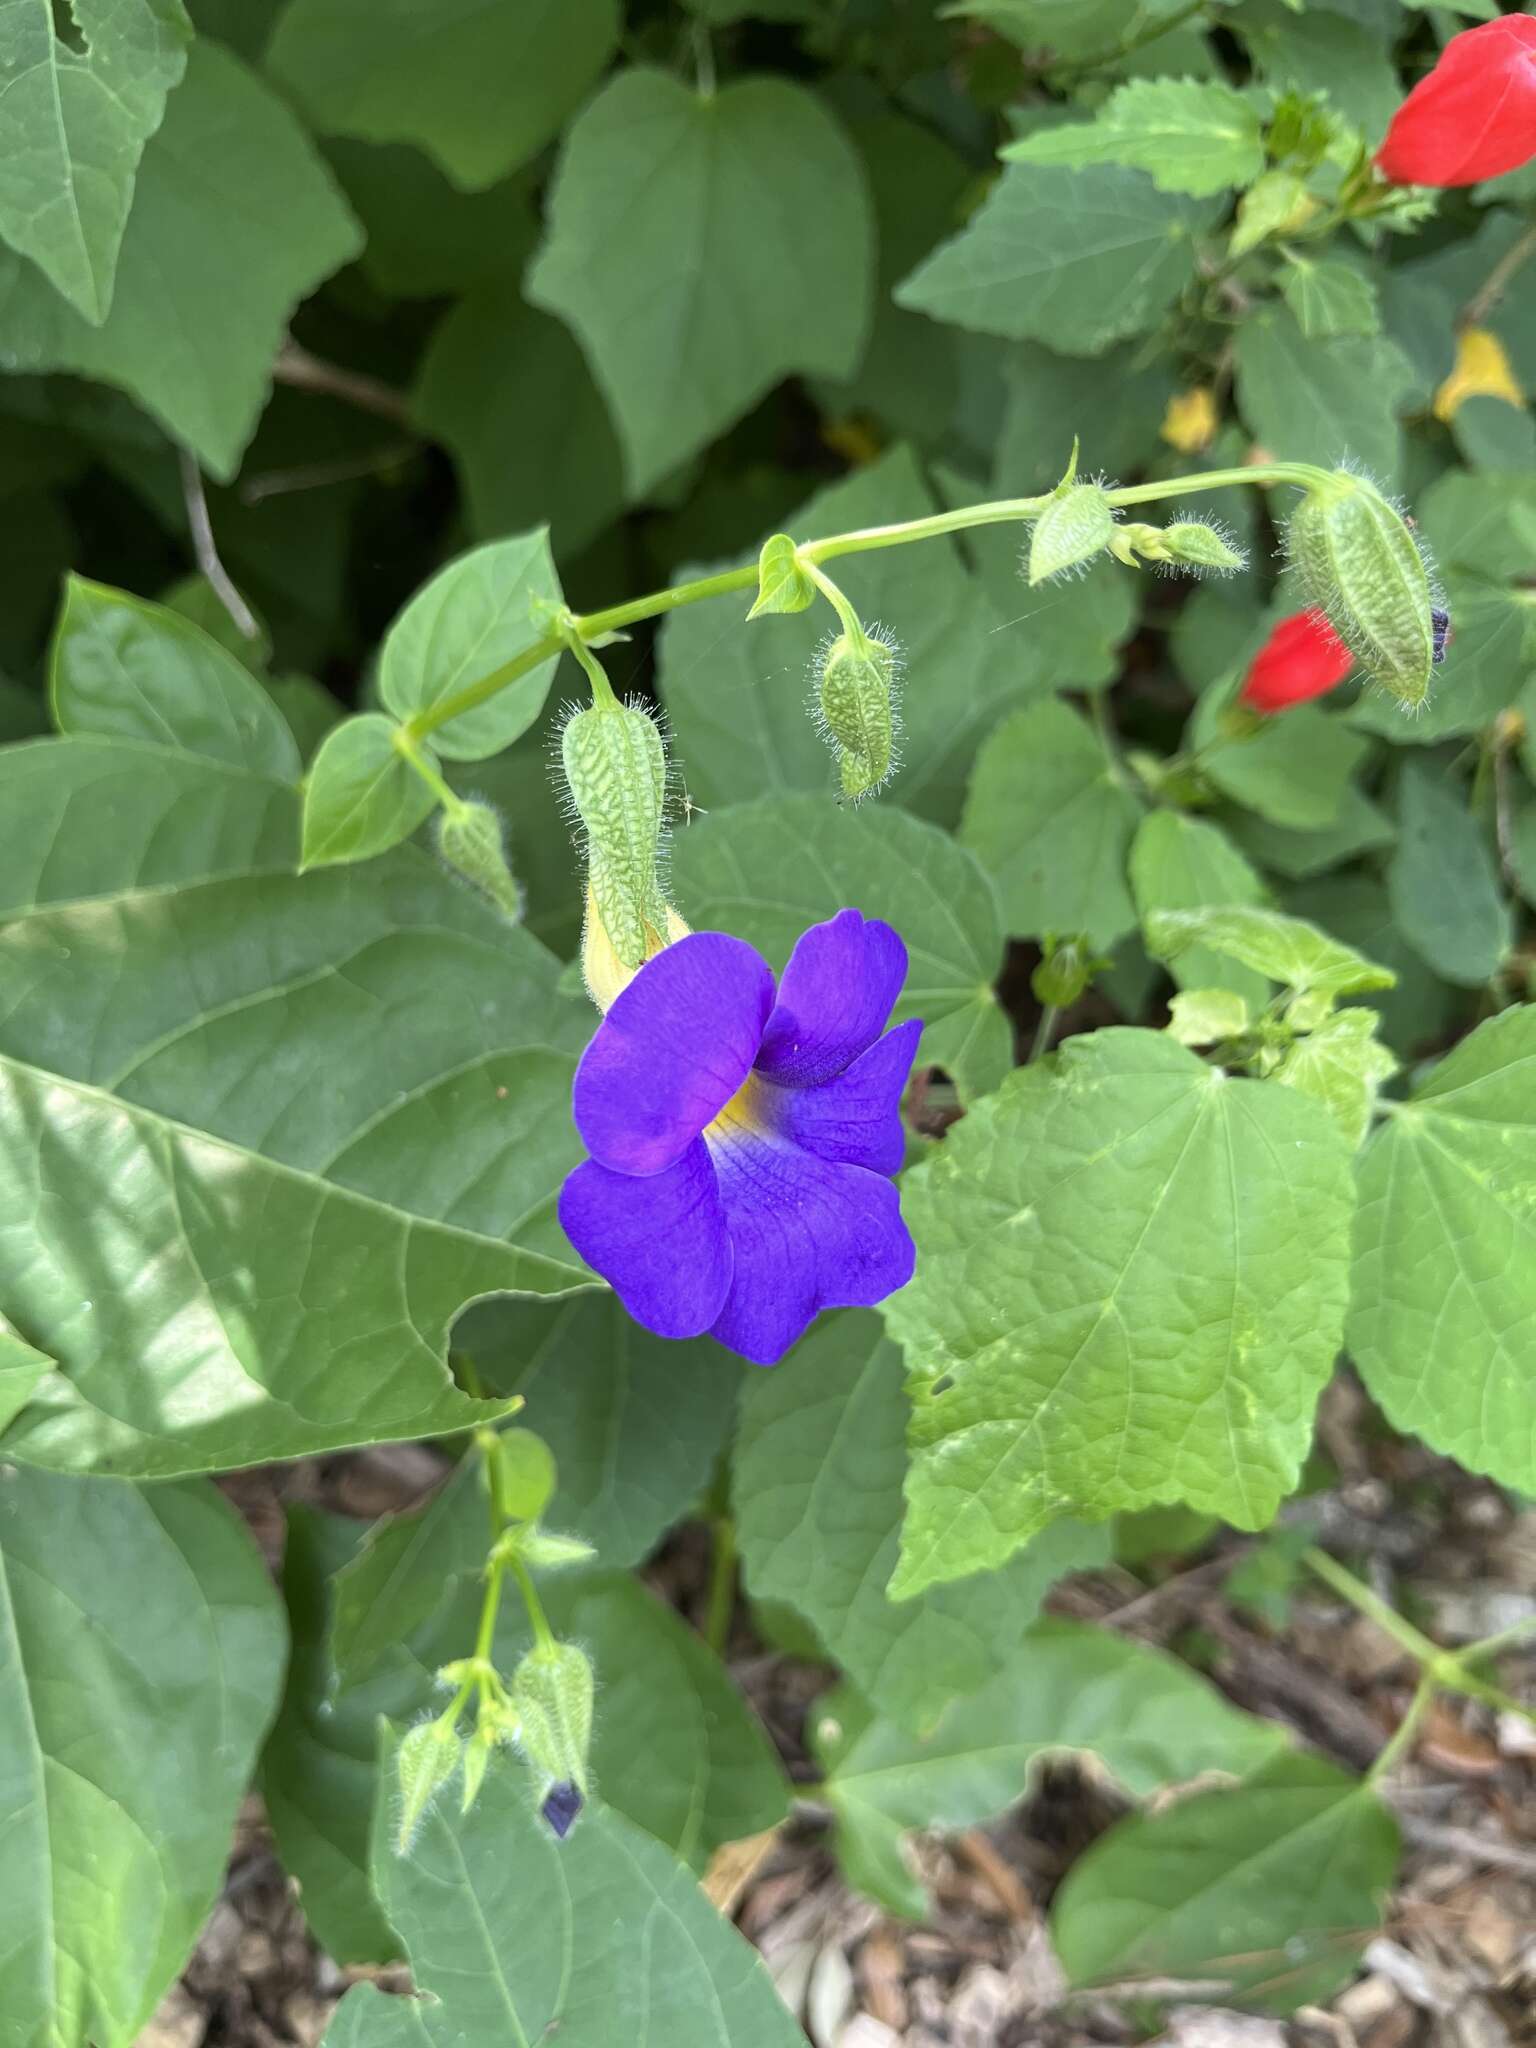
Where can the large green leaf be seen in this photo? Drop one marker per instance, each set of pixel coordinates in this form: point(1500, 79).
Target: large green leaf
point(1265, 1892)
point(635, 1422)
point(1050, 819)
point(767, 870)
point(474, 615)
point(517, 1937)
point(319, 1767)
point(479, 88)
point(141, 1650)
point(426, 238)
point(1184, 863)
point(1130, 1285)
point(1444, 1294)
point(737, 695)
point(1322, 401)
point(78, 114)
point(184, 1062)
point(816, 1480)
point(122, 668)
point(909, 375)
point(1443, 883)
point(701, 247)
point(1078, 259)
point(1190, 137)
point(88, 817)
point(1147, 1719)
point(508, 391)
point(235, 219)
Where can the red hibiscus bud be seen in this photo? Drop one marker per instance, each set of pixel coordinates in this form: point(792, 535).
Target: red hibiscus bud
point(1303, 657)
point(1474, 116)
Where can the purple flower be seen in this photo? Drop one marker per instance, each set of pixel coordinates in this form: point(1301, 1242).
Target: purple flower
point(742, 1146)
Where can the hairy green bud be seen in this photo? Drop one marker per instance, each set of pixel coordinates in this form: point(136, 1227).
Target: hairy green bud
point(616, 770)
point(427, 1758)
point(855, 694)
point(525, 1473)
point(1077, 524)
point(1196, 544)
point(1065, 972)
point(470, 840)
point(551, 1694)
point(544, 1550)
point(1360, 565)
point(1186, 544)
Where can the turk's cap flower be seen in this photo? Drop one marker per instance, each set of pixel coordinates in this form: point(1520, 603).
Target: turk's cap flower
point(1302, 658)
point(1474, 116)
point(742, 1137)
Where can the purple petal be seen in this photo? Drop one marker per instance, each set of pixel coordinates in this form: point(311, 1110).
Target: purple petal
point(562, 1803)
point(659, 1240)
point(808, 1234)
point(834, 998)
point(676, 1045)
point(856, 1119)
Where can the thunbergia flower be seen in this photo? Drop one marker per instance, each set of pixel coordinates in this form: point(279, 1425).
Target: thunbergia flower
point(743, 1138)
point(1474, 116)
point(1302, 658)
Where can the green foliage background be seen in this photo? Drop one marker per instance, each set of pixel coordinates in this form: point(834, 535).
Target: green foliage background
point(336, 332)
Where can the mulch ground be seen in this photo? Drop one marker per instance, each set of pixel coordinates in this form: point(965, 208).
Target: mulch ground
point(1454, 1966)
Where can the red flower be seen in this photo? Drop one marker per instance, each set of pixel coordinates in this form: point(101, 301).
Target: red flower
point(1474, 116)
point(1302, 658)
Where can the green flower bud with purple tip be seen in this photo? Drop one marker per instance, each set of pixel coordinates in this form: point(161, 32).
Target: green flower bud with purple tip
point(551, 1694)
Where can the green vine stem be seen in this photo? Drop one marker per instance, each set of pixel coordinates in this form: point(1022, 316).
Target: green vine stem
point(588, 627)
point(1441, 1670)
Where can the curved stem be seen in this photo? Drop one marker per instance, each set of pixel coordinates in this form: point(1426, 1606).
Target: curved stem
point(587, 627)
point(1402, 1738)
point(1043, 1030)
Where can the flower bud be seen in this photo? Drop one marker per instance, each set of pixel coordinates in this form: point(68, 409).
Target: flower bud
point(427, 1758)
point(470, 840)
point(858, 714)
point(1068, 967)
point(1360, 565)
point(1197, 544)
point(1077, 524)
point(543, 1550)
point(616, 770)
point(525, 1474)
point(551, 1694)
point(477, 1754)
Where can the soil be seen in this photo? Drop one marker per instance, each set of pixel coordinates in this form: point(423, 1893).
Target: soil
point(1453, 1967)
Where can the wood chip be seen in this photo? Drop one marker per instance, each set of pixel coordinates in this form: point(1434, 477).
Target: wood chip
point(733, 1866)
point(1003, 1881)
